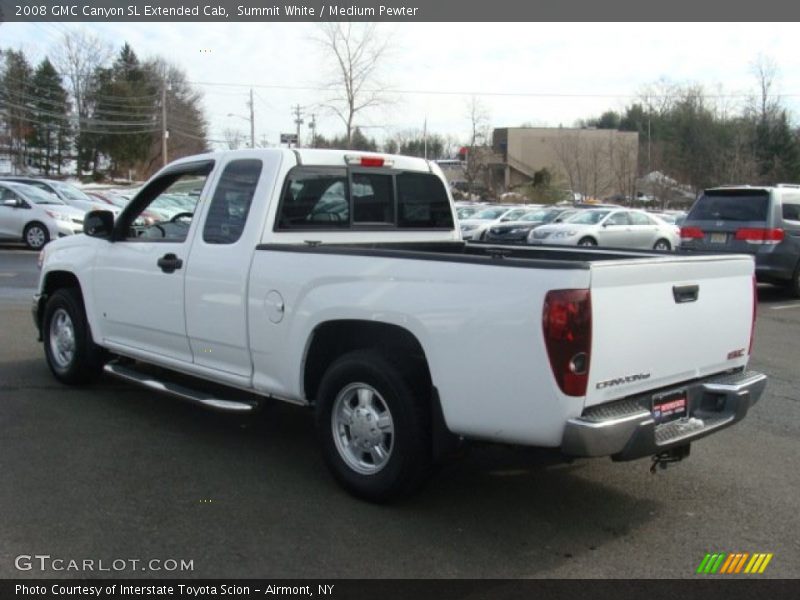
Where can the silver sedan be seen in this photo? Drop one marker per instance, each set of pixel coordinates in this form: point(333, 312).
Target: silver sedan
point(616, 228)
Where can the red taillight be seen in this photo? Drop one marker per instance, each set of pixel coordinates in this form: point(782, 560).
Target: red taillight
point(368, 161)
point(753, 325)
point(692, 233)
point(760, 236)
point(567, 326)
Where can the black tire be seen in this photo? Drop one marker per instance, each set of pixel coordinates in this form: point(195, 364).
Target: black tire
point(35, 236)
point(587, 241)
point(84, 362)
point(409, 456)
point(662, 245)
point(794, 284)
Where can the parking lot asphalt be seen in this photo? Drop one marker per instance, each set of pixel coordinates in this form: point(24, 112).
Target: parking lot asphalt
point(115, 472)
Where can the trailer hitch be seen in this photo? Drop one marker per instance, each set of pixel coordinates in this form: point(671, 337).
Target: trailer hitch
point(673, 455)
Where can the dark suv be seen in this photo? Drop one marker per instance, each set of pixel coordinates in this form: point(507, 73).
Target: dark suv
point(762, 221)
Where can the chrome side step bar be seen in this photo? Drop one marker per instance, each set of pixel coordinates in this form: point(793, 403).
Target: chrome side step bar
point(178, 391)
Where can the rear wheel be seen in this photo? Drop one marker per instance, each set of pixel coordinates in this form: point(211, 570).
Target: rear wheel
point(662, 245)
point(373, 428)
point(35, 236)
point(587, 241)
point(71, 354)
point(794, 285)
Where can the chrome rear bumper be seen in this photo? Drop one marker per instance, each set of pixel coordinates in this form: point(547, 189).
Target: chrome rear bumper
point(625, 429)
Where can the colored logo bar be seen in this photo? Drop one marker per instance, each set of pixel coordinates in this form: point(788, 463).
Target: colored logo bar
point(734, 563)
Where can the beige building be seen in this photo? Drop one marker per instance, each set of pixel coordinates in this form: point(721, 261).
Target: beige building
point(598, 163)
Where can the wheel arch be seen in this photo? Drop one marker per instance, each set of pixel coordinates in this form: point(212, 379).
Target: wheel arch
point(332, 339)
point(53, 281)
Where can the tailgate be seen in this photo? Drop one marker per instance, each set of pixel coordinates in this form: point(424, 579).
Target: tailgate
point(664, 321)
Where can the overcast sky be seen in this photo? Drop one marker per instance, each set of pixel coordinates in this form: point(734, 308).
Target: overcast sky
point(535, 73)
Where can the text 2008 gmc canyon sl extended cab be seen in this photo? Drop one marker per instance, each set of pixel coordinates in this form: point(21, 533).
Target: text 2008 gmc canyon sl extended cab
point(338, 280)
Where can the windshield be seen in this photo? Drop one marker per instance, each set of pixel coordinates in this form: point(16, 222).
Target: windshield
point(71, 192)
point(36, 195)
point(731, 205)
point(588, 217)
point(490, 213)
point(540, 216)
point(465, 211)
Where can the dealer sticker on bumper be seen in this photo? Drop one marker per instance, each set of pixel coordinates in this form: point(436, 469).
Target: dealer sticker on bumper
point(670, 406)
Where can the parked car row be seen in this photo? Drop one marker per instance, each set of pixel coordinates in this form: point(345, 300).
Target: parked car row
point(36, 211)
point(583, 225)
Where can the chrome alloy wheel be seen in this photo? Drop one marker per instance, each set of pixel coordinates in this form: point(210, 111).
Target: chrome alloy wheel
point(62, 339)
point(362, 428)
point(35, 237)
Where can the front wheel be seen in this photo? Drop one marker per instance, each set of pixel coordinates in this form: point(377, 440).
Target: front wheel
point(662, 245)
point(71, 354)
point(587, 242)
point(36, 236)
point(373, 428)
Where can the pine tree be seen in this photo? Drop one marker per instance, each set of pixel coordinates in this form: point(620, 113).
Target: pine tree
point(15, 100)
point(49, 136)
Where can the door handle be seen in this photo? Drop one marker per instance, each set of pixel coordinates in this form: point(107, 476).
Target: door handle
point(169, 263)
point(685, 293)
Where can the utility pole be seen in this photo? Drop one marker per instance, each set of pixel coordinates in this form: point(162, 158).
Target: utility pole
point(298, 120)
point(164, 132)
point(313, 127)
point(252, 122)
point(425, 136)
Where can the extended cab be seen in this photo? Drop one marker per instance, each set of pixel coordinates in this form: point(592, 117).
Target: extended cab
point(338, 280)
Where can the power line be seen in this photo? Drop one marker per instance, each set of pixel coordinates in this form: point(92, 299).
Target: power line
point(482, 93)
point(67, 117)
point(91, 131)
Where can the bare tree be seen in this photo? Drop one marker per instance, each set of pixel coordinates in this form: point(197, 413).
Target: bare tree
point(234, 138)
point(477, 145)
point(623, 157)
point(357, 51)
point(765, 71)
point(77, 60)
point(595, 162)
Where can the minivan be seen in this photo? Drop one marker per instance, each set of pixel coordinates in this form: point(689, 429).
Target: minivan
point(760, 220)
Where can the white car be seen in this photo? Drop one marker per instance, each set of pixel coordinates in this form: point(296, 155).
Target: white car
point(477, 225)
point(65, 192)
point(617, 228)
point(35, 217)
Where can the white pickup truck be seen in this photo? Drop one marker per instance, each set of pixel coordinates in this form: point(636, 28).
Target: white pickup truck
point(337, 280)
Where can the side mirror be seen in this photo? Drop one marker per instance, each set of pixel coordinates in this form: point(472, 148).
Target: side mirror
point(12, 203)
point(98, 223)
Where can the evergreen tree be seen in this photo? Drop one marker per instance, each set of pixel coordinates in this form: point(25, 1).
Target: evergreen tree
point(49, 136)
point(16, 99)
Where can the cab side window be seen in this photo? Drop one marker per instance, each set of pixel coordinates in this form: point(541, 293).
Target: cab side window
point(230, 205)
point(166, 207)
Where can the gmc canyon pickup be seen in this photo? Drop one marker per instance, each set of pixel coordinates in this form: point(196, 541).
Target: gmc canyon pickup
point(338, 280)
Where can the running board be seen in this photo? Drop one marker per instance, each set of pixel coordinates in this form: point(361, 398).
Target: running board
point(178, 391)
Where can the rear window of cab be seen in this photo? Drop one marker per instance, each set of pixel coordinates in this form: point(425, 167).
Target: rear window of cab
point(335, 198)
